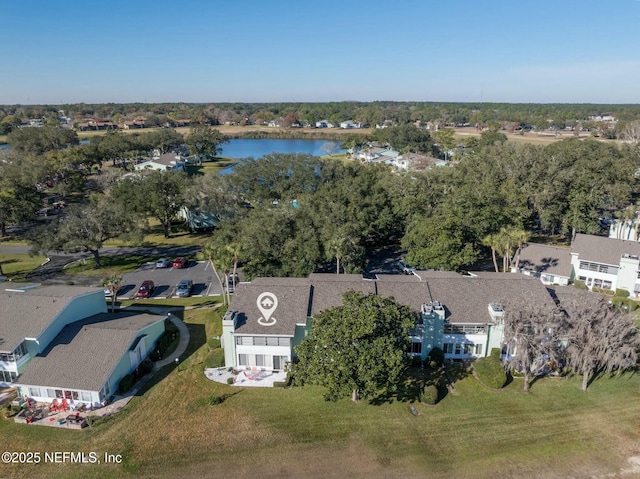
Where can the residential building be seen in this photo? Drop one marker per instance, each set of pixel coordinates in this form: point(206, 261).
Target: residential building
point(606, 263)
point(59, 342)
point(31, 316)
point(350, 124)
point(168, 161)
point(87, 359)
point(552, 264)
point(462, 315)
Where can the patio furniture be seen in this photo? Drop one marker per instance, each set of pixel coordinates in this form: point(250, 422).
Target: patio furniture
point(53, 407)
point(64, 406)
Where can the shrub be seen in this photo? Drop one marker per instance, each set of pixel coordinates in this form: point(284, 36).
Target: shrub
point(215, 399)
point(490, 371)
point(415, 361)
point(126, 383)
point(435, 358)
point(230, 380)
point(429, 394)
point(280, 384)
point(621, 293)
point(608, 292)
point(626, 303)
point(580, 285)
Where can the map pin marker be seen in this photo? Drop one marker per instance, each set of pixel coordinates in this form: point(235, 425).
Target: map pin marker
point(267, 304)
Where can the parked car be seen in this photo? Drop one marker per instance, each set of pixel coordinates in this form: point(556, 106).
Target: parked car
point(183, 290)
point(146, 289)
point(163, 263)
point(405, 268)
point(180, 262)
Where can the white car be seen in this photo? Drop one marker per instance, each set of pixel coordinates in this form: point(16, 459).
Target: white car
point(163, 263)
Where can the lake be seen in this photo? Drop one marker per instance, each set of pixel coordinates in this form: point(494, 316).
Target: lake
point(256, 148)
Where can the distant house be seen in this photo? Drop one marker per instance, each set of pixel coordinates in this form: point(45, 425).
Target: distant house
point(552, 264)
point(350, 124)
point(137, 122)
point(96, 124)
point(273, 123)
point(168, 161)
point(324, 124)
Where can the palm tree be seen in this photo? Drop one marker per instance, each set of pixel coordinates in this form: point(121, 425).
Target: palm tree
point(112, 283)
point(492, 242)
point(209, 251)
point(519, 237)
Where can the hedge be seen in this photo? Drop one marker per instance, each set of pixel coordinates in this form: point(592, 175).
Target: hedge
point(490, 370)
point(429, 394)
point(435, 358)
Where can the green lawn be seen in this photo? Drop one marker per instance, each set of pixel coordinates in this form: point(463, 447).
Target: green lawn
point(17, 266)
point(110, 265)
point(172, 430)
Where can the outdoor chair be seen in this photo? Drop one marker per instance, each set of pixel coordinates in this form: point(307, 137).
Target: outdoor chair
point(53, 407)
point(64, 406)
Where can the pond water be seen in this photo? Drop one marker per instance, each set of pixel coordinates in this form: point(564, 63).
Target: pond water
point(257, 148)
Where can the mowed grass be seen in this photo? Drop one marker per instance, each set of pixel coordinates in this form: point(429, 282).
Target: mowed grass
point(17, 266)
point(108, 265)
point(154, 236)
point(172, 430)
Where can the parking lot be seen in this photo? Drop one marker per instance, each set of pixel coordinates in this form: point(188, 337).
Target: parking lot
point(165, 280)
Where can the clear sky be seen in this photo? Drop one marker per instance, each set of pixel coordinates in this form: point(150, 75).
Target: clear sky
point(282, 51)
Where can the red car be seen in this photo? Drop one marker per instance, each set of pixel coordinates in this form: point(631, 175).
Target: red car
point(146, 289)
point(180, 262)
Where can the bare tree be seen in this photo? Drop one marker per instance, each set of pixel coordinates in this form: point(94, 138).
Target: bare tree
point(631, 132)
point(530, 333)
point(600, 337)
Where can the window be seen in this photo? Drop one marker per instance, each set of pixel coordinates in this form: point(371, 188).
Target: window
point(458, 348)
point(51, 393)
point(478, 348)
point(584, 278)
point(416, 348)
point(606, 284)
point(448, 348)
point(242, 360)
point(260, 360)
point(34, 392)
point(59, 393)
point(464, 328)
point(599, 268)
point(85, 396)
point(597, 283)
point(468, 348)
point(259, 341)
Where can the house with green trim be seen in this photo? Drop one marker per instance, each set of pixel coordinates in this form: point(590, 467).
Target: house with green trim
point(462, 315)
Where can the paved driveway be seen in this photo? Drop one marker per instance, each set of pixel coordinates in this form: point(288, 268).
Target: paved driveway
point(165, 280)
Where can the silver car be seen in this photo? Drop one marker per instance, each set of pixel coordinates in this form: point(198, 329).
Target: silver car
point(163, 263)
point(183, 290)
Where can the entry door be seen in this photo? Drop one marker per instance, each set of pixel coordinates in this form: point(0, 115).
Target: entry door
point(276, 362)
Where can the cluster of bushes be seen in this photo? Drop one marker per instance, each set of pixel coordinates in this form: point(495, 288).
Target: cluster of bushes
point(429, 394)
point(627, 303)
point(490, 370)
point(165, 341)
point(127, 382)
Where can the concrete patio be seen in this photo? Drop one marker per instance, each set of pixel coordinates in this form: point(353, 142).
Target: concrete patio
point(257, 379)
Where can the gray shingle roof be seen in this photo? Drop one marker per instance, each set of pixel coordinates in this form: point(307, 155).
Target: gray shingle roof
point(545, 259)
point(292, 308)
point(466, 299)
point(85, 353)
point(603, 250)
point(26, 314)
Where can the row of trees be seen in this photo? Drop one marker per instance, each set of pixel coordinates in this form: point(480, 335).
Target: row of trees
point(588, 336)
point(540, 116)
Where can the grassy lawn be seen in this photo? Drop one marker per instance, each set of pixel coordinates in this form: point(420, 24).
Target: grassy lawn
point(179, 236)
point(110, 265)
point(172, 429)
point(172, 303)
point(17, 266)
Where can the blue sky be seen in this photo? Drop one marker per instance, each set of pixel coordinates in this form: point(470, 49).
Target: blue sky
point(257, 51)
